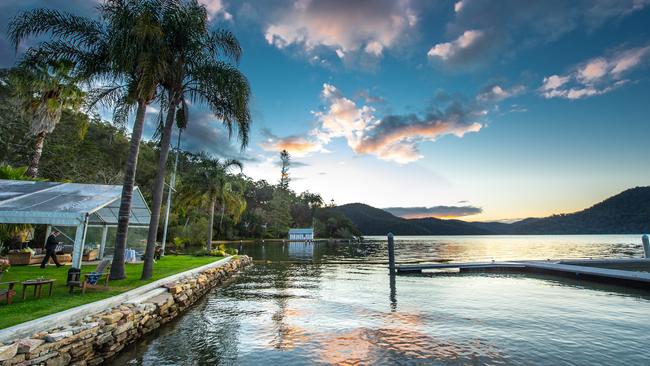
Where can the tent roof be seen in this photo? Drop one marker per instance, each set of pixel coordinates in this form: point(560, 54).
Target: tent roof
point(28, 202)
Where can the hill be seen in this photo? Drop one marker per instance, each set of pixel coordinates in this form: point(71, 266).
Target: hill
point(625, 213)
point(374, 221)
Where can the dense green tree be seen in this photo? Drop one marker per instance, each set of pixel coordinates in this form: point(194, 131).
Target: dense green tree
point(279, 215)
point(206, 184)
point(43, 91)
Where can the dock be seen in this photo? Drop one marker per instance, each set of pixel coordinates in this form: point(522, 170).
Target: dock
point(626, 272)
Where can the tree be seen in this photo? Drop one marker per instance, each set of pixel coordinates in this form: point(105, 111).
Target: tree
point(206, 184)
point(279, 217)
point(125, 47)
point(43, 91)
point(285, 160)
point(195, 73)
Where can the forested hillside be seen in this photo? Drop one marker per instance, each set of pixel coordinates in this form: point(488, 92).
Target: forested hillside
point(625, 213)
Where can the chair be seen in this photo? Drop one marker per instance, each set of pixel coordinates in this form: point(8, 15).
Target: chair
point(90, 279)
point(9, 293)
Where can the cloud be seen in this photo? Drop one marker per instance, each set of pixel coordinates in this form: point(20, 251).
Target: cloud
point(216, 9)
point(205, 133)
point(343, 26)
point(436, 211)
point(458, 6)
point(496, 93)
point(298, 146)
point(365, 95)
point(508, 25)
point(597, 76)
point(459, 48)
point(467, 50)
point(393, 137)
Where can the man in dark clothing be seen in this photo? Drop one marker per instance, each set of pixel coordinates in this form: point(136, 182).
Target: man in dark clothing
point(50, 249)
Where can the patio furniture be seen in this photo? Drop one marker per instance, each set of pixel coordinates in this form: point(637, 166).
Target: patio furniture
point(90, 279)
point(8, 293)
point(38, 286)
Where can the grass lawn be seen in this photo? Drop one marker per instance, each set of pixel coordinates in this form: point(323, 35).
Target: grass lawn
point(21, 311)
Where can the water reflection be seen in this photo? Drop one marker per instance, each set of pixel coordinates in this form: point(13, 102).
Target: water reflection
point(454, 248)
point(291, 311)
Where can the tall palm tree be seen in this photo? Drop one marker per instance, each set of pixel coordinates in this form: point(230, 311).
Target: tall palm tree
point(125, 47)
point(43, 91)
point(206, 184)
point(196, 73)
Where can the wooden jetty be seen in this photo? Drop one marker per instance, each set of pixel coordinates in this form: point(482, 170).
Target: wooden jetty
point(599, 270)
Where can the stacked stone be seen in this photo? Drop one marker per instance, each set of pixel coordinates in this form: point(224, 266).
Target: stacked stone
point(101, 336)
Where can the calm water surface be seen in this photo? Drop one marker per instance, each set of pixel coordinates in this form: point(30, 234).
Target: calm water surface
point(325, 304)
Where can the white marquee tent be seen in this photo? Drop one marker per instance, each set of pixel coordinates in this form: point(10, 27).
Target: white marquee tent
point(69, 204)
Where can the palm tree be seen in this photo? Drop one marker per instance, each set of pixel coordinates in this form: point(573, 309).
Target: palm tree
point(43, 91)
point(125, 47)
point(195, 73)
point(207, 184)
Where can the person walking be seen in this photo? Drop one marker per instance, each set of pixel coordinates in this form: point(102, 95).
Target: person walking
point(50, 249)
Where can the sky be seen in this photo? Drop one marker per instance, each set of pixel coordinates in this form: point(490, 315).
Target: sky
point(483, 110)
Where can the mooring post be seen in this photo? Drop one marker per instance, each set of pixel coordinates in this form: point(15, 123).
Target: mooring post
point(646, 246)
point(391, 254)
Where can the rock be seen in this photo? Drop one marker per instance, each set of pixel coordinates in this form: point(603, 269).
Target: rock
point(176, 289)
point(123, 328)
point(17, 359)
point(104, 338)
point(28, 345)
point(112, 317)
point(55, 337)
point(61, 360)
point(8, 352)
point(43, 358)
point(162, 301)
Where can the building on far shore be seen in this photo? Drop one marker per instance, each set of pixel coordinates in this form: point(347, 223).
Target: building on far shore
point(301, 234)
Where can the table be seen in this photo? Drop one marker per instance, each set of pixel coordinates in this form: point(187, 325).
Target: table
point(38, 286)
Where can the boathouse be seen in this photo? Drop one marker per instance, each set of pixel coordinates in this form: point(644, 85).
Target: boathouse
point(301, 234)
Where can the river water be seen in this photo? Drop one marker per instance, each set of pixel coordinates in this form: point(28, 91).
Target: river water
point(335, 304)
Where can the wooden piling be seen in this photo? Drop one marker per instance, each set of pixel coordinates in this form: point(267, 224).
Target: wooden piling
point(391, 254)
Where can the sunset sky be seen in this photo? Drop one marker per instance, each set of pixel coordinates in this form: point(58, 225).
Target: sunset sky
point(492, 109)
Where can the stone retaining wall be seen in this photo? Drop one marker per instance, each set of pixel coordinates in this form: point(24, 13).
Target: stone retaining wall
point(99, 337)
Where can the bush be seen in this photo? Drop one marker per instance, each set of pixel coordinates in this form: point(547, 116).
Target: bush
point(231, 251)
point(201, 253)
point(217, 253)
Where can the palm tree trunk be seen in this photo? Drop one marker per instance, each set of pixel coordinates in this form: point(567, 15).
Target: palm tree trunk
point(223, 209)
point(32, 170)
point(117, 267)
point(156, 201)
point(209, 243)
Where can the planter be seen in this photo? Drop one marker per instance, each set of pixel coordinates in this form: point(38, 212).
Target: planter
point(20, 259)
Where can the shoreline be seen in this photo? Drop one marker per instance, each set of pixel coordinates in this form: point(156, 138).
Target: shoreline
point(95, 332)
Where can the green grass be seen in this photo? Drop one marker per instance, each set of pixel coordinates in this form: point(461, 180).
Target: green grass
point(21, 311)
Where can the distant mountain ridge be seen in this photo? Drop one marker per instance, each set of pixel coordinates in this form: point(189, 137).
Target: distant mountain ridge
point(625, 213)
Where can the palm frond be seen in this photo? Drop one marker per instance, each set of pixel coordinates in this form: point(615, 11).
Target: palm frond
point(77, 30)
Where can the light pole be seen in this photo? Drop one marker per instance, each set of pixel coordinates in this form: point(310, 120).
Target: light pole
point(172, 183)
